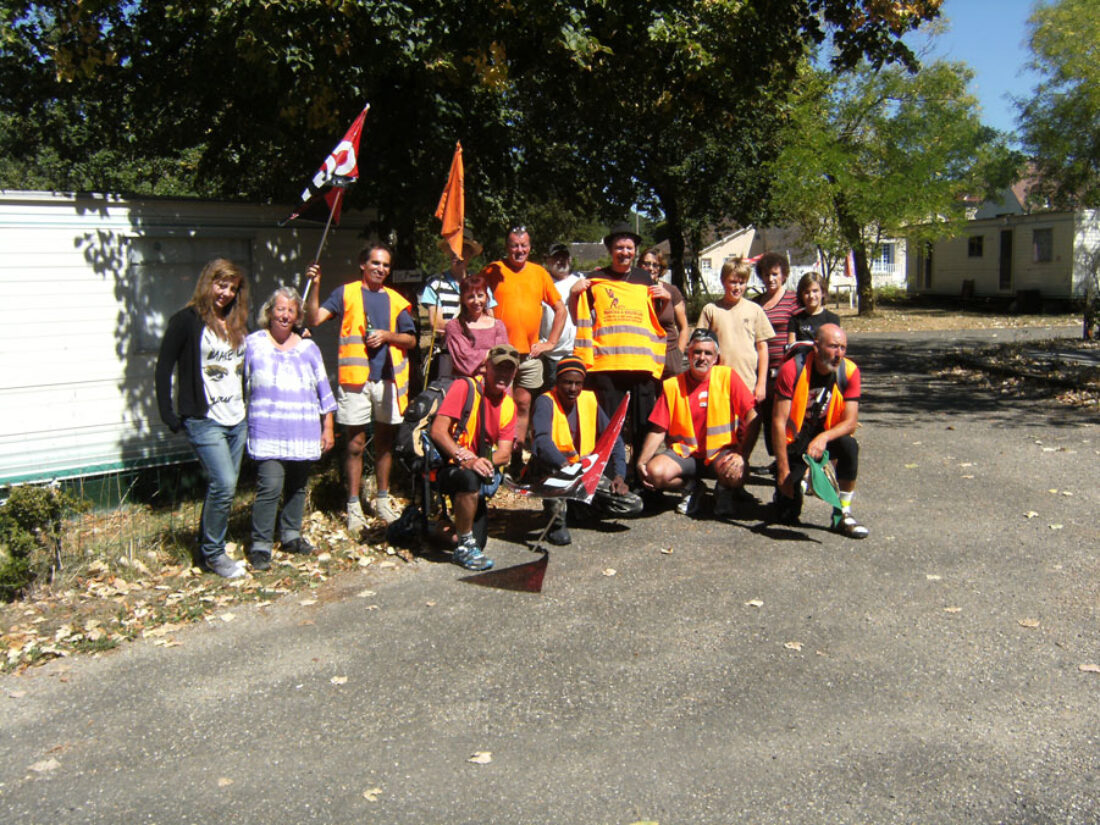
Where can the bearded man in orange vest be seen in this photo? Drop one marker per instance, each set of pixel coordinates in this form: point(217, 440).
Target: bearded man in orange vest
point(376, 333)
point(697, 430)
point(817, 410)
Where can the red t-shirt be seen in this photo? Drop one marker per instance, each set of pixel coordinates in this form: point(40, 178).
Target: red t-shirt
point(741, 401)
point(520, 296)
point(453, 402)
point(784, 381)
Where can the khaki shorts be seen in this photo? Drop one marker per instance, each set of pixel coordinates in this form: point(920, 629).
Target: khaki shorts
point(529, 374)
point(376, 402)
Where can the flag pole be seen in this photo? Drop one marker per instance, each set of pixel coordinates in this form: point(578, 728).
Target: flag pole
point(324, 237)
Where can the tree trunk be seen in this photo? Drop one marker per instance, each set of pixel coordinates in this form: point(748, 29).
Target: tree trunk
point(852, 233)
point(671, 207)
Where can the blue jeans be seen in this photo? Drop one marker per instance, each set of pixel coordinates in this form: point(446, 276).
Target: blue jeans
point(273, 476)
point(219, 450)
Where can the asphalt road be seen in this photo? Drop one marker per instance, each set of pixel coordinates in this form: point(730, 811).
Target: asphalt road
point(725, 672)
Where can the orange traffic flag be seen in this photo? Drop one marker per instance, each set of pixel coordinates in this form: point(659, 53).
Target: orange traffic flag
point(452, 205)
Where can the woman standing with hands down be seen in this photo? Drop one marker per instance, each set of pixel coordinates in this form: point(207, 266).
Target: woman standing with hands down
point(204, 346)
point(290, 407)
point(471, 335)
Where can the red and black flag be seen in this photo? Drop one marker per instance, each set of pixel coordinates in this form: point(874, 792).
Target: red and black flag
point(323, 197)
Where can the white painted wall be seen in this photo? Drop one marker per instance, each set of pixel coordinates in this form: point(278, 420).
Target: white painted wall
point(91, 281)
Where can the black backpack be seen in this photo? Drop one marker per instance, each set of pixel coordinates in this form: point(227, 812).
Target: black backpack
point(413, 444)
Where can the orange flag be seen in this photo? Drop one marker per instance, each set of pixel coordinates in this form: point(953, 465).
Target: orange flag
point(452, 205)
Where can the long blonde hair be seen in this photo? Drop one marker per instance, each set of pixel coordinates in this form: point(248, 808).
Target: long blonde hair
point(236, 314)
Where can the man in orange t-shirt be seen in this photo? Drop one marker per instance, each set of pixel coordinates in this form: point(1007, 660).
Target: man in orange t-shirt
point(520, 288)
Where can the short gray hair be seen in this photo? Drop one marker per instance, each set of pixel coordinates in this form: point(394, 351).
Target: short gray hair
point(288, 292)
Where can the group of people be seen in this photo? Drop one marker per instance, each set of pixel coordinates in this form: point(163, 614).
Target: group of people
point(538, 361)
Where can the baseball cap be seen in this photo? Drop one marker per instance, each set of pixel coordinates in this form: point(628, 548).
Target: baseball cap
point(504, 353)
point(558, 249)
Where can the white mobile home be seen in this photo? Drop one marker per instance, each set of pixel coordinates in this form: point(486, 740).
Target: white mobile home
point(92, 280)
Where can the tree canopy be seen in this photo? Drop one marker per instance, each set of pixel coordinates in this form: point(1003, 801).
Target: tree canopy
point(568, 110)
point(882, 152)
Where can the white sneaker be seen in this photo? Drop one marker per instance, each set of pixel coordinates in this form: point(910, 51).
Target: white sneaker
point(692, 500)
point(385, 509)
point(357, 522)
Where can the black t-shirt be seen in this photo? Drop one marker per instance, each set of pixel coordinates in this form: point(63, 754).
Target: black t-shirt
point(805, 327)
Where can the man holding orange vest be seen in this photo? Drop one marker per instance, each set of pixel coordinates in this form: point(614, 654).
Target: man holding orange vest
point(817, 410)
point(697, 430)
point(376, 332)
point(619, 332)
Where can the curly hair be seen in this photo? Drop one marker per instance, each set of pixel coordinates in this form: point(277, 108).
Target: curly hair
point(235, 315)
point(263, 319)
point(769, 261)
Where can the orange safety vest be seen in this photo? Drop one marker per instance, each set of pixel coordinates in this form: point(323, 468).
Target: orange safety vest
point(587, 418)
point(468, 437)
point(833, 413)
point(618, 330)
point(353, 361)
point(721, 428)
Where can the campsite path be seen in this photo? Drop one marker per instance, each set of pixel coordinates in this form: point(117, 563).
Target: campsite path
point(680, 671)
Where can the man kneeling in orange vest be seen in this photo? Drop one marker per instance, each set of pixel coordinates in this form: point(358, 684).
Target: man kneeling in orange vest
point(697, 430)
point(566, 424)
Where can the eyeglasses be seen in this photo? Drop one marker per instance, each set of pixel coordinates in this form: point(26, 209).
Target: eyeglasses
point(650, 265)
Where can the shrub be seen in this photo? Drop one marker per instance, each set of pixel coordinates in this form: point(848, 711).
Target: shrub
point(30, 535)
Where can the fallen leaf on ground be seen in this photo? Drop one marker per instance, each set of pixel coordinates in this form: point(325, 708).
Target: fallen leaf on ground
point(224, 782)
point(1030, 514)
point(430, 604)
point(952, 610)
point(307, 602)
point(227, 617)
point(1089, 668)
point(365, 594)
point(1067, 492)
point(667, 551)
point(754, 603)
point(1028, 622)
point(1053, 490)
point(45, 766)
point(339, 680)
point(609, 571)
point(793, 645)
point(371, 795)
point(933, 577)
point(481, 757)
point(910, 466)
point(1056, 527)
point(373, 607)
point(16, 694)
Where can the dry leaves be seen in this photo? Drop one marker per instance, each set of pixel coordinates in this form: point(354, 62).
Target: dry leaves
point(339, 680)
point(372, 794)
point(224, 782)
point(1028, 622)
point(609, 571)
point(952, 610)
point(481, 757)
point(45, 766)
point(1089, 668)
point(793, 645)
point(754, 603)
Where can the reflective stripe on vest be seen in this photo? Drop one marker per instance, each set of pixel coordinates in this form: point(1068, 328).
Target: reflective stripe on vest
point(587, 416)
point(618, 329)
point(353, 361)
point(799, 398)
point(720, 426)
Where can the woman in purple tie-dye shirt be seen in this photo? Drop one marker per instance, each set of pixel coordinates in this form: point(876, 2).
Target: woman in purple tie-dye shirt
point(290, 407)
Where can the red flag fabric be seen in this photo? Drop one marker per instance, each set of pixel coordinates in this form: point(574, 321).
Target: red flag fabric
point(578, 480)
point(452, 204)
point(324, 194)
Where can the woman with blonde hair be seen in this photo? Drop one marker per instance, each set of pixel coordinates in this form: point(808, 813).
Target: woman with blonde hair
point(290, 407)
point(204, 346)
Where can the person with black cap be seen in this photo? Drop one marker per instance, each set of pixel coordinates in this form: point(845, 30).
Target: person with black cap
point(566, 423)
point(619, 334)
point(697, 430)
point(475, 453)
point(559, 264)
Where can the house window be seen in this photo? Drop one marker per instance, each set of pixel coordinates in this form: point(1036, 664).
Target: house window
point(1042, 244)
point(884, 258)
point(974, 246)
point(704, 264)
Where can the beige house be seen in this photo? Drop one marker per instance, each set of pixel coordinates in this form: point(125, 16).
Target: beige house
point(1048, 255)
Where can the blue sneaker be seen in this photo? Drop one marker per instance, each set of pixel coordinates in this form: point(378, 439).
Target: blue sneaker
point(469, 555)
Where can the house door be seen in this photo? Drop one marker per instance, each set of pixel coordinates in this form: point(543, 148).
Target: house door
point(1006, 260)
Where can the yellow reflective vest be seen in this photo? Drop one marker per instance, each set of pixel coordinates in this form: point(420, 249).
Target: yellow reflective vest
point(618, 329)
point(587, 419)
point(353, 361)
point(721, 429)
